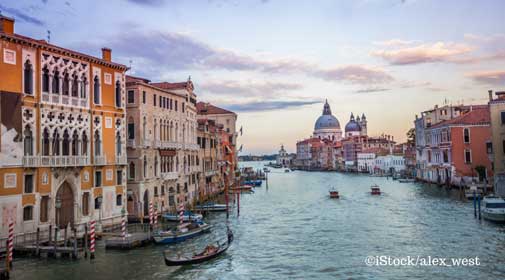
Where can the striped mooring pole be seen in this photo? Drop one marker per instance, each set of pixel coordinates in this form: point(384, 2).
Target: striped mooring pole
point(156, 217)
point(123, 228)
point(10, 244)
point(151, 220)
point(92, 239)
point(181, 213)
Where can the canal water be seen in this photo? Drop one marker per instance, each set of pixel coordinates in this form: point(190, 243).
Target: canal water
point(292, 230)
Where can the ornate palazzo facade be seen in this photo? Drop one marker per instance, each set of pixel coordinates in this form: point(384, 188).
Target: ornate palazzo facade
point(63, 135)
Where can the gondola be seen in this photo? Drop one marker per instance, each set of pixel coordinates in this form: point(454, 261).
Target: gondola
point(203, 256)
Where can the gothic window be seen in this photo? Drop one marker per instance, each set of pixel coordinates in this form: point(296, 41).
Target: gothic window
point(131, 173)
point(75, 86)
point(28, 141)
point(45, 79)
point(45, 142)
point(145, 166)
point(28, 76)
point(98, 151)
point(118, 144)
point(118, 94)
point(56, 82)
point(66, 84)
point(56, 143)
point(75, 143)
point(96, 90)
point(66, 143)
point(84, 142)
point(83, 87)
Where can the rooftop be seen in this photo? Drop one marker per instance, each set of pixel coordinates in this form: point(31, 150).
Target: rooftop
point(477, 115)
point(205, 108)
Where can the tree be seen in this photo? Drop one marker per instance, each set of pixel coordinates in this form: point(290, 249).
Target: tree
point(411, 137)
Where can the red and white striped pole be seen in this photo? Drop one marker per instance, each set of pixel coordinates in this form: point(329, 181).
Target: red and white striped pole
point(92, 237)
point(123, 228)
point(181, 213)
point(151, 220)
point(155, 217)
point(10, 245)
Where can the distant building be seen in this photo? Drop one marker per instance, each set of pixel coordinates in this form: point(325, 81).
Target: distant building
point(283, 158)
point(327, 126)
point(497, 118)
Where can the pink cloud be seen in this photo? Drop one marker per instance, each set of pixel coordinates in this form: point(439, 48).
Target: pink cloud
point(437, 52)
point(356, 74)
point(488, 77)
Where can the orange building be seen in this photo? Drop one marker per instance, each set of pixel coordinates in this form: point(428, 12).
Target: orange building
point(62, 145)
point(457, 147)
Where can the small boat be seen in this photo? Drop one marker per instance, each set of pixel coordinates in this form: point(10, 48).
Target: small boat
point(266, 170)
point(286, 170)
point(375, 190)
point(407, 180)
point(180, 233)
point(211, 207)
point(242, 188)
point(208, 253)
point(254, 183)
point(188, 216)
point(473, 190)
point(334, 194)
point(493, 209)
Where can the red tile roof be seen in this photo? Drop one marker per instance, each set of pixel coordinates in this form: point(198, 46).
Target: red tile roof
point(205, 108)
point(167, 85)
point(477, 115)
point(131, 79)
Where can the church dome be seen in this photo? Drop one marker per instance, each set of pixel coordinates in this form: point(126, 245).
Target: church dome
point(327, 120)
point(352, 125)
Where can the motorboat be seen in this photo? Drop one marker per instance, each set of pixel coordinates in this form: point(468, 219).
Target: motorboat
point(493, 209)
point(375, 190)
point(211, 207)
point(334, 194)
point(180, 233)
point(188, 216)
point(407, 180)
point(254, 183)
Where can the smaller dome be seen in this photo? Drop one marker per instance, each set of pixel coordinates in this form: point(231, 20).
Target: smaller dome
point(352, 125)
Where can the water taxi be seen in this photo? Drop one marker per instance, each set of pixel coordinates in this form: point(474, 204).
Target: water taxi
point(334, 194)
point(493, 209)
point(407, 180)
point(375, 190)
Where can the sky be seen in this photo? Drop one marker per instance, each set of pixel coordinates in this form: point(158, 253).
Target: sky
point(275, 62)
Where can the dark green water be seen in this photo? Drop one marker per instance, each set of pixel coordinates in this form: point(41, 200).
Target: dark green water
point(292, 230)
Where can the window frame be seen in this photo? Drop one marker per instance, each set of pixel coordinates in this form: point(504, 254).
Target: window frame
point(95, 179)
point(24, 183)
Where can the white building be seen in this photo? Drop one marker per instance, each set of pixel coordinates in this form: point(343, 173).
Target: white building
point(283, 158)
point(366, 162)
point(390, 163)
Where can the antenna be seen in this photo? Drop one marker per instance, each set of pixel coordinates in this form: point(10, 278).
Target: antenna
point(48, 36)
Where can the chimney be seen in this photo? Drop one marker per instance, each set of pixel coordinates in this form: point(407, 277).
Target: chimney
point(107, 54)
point(6, 25)
point(490, 95)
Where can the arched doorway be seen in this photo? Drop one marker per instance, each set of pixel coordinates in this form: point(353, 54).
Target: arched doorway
point(131, 205)
point(65, 206)
point(146, 203)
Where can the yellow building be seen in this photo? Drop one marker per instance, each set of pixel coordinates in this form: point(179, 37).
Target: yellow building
point(62, 145)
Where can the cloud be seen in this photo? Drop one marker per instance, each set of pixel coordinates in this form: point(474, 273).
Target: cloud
point(20, 15)
point(152, 3)
point(488, 77)
point(269, 105)
point(248, 88)
point(393, 43)
point(155, 52)
point(437, 52)
point(356, 74)
point(370, 90)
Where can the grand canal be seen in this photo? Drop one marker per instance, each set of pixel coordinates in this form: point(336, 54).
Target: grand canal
point(292, 230)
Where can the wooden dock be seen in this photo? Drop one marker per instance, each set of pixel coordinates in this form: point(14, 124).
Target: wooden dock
point(138, 235)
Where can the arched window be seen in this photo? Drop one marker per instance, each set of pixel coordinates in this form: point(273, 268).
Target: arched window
point(119, 200)
point(28, 76)
point(118, 144)
point(66, 143)
point(118, 94)
point(131, 171)
point(75, 86)
point(96, 90)
point(83, 87)
point(66, 84)
point(75, 143)
point(144, 127)
point(145, 166)
point(56, 82)
point(56, 143)
point(28, 141)
point(84, 144)
point(45, 79)
point(98, 150)
point(45, 142)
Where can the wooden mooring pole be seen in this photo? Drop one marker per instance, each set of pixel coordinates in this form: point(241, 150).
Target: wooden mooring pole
point(478, 205)
point(74, 254)
point(86, 240)
point(37, 250)
point(474, 205)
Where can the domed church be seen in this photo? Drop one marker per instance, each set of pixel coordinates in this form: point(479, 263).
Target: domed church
point(327, 125)
point(356, 127)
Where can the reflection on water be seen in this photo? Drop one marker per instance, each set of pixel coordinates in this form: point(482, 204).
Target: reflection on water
point(292, 230)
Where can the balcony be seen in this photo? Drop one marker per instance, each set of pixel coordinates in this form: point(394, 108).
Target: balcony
point(100, 160)
point(170, 145)
point(121, 160)
point(55, 161)
point(169, 175)
point(191, 146)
